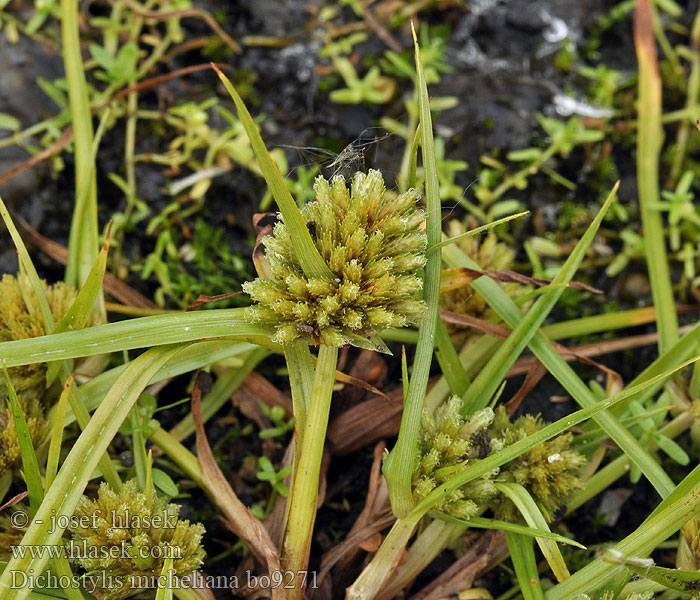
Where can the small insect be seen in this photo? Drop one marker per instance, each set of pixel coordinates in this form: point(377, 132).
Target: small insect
point(357, 156)
point(311, 226)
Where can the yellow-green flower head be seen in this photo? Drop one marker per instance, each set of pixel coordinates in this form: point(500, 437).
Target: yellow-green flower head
point(374, 246)
point(491, 255)
point(124, 537)
point(550, 471)
point(20, 318)
point(447, 444)
point(10, 454)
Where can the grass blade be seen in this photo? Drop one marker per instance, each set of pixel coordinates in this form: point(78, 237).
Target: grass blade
point(398, 466)
point(640, 542)
point(558, 367)
point(63, 495)
point(30, 464)
point(483, 523)
point(309, 258)
point(519, 496)
point(165, 592)
point(27, 267)
point(649, 140)
point(83, 241)
point(79, 312)
point(59, 423)
point(523, 556)
point(136, 333)
point(486, 383)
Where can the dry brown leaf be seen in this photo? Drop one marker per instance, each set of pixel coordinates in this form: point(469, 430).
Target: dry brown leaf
point(202, 299)
point(461, 276)
point(488, 551)
point(238, 517)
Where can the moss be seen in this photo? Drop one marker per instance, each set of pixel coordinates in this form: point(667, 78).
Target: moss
point(549, 471)
point(10, 455)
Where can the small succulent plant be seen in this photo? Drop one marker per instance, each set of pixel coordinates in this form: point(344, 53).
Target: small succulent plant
point(450, 442)
point(374, 246)
point(20, 318)
point(129, 522)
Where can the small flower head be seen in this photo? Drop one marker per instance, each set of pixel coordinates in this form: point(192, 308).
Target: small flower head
point(447, 444)
point(489, 254)
point(549, 471)
point(148, 530)
point(10, 455)
point(374, 247)
point(20, 318)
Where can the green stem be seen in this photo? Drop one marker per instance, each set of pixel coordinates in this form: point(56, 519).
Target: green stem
point(304, 491)
point(83, 243)
point(180, 455)
point(691, 104)
point(301, 379)
point(431, 542)
point(649, 138)
point(398, 467)
point(522, 554)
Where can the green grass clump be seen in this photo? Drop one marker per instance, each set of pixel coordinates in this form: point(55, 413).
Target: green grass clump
point(374, 247)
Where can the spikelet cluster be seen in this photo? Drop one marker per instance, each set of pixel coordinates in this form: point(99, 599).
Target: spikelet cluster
point(10, 454)
point(373, 244)
point(9, 535)
point(20, 318)
point(447, 444)
point(489, 254)
point(549, 471)
point(146, 527)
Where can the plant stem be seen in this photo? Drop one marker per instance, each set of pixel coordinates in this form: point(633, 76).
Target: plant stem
point(83, 243)
point(648, 146)
point(692, 96)
point(431, 541)
point(398, 467)
point(304, 491)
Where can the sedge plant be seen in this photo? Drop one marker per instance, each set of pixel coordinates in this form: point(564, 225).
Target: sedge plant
point(356, 260)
